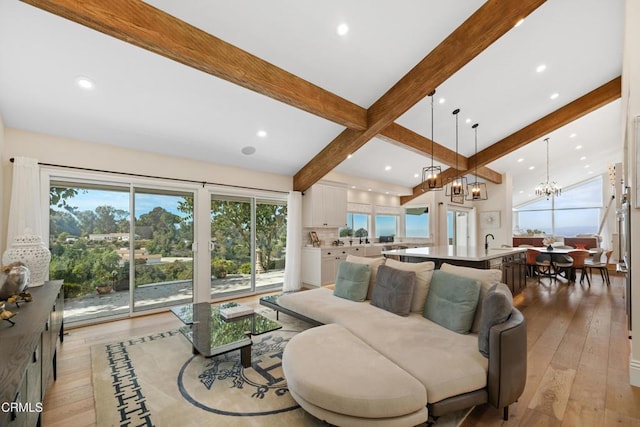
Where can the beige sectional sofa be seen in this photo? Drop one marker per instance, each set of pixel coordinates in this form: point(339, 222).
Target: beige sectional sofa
point(414, 367)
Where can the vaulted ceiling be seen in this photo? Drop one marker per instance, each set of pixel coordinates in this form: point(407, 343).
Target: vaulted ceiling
point(200, 80)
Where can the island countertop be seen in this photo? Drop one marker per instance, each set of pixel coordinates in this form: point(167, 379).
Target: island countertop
point(458, 253)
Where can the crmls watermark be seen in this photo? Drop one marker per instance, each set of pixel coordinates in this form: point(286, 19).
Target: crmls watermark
point(21, 407)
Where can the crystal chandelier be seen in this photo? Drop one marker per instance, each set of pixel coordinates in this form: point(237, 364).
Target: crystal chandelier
point(477, 190)
point(458, 185)
point(548, 188)
point(431, 175)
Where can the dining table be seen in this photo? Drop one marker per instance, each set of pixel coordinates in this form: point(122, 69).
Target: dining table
point(562, 251)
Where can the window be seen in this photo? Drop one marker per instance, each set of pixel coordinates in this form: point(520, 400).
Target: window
point(577, 211)
point(416, 222)
point(386, 225)
point(249, 237)
point(133, 239)
point(357, 225)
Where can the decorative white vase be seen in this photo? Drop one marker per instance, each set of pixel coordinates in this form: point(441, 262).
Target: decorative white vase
point(31, 251)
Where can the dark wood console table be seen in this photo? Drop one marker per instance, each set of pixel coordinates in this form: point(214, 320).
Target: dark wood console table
point(28, 353)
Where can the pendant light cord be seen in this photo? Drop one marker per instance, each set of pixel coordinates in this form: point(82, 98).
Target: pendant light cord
point(455, 113)
point(547, 141)
point(475, 127)
point(432, 143)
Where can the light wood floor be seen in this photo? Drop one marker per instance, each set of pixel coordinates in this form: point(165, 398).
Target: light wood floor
point(578, 359)
point(577, 364)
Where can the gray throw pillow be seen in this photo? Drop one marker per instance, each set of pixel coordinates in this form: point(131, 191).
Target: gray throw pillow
point(352, 281)
point(394, 290)
point(452, 301)
point(496, 308)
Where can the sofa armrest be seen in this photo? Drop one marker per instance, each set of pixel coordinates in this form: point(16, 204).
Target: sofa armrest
point(507, 360)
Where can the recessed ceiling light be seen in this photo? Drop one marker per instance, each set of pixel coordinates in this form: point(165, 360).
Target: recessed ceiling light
point(519, 23)
point(353, 186)
point(468, 121)
point(540, 68)
point(85, 83)
point(441, 100)
point(342, 29)
point(583, 158)
point(387, 168)
point(531, 168)
point(578, 147)
point(262, 133)
point(386, 192)
point(368, 189)
point(590, 172)
point(416, 175)
point(573, 135)
point(520, 160)
point(587, 166)
point(554, 95)
point(248, 150)
point(521, 191)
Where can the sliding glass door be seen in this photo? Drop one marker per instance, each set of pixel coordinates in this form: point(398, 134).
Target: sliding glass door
point(248, 236)
point(162, 252)
point(125, 247)
point(89, 241)
point(232, 233)
point(271, 240)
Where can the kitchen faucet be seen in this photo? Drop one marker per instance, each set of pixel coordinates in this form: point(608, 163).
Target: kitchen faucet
point(486, 241)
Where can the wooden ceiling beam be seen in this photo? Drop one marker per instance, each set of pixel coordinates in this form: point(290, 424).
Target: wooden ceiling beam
point(142, 25)
point(399, 135)
point(406, 138)
point(582, 106)
point(486, 25)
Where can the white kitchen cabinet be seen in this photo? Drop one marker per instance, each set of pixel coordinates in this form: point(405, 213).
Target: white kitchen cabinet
point(320, 265)
point(324, 205)
point(373, 251)
point(331, 259)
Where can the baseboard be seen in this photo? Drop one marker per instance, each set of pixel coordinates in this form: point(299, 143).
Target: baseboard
point(634, 372)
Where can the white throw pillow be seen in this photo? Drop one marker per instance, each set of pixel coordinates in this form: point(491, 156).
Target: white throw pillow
point(424, 271)
point(487, 278)
point(373, 263)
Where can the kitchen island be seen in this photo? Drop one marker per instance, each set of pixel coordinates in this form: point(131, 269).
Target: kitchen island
point(512, 261)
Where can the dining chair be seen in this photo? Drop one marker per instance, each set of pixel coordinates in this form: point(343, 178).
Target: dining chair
point(544, 266)
point(596, 263)
point(579, 257)
point(563, 264)
point(532, 267)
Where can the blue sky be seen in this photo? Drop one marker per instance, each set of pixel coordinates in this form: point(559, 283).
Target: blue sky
point(88, 200)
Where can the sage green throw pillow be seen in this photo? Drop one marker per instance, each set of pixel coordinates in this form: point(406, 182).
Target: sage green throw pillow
point(352, 281)
point(452, 301)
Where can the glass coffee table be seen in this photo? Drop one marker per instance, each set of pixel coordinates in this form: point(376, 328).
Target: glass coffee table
point(211, 335)
point(272, 302)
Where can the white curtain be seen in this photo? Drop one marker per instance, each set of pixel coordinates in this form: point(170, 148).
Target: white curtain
point(25, 210)
point(293, 261)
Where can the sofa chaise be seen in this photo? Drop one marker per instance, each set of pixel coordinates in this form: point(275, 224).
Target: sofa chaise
point(370, 364)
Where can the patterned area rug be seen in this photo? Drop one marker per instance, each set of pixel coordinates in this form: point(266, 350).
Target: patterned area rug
point(156, 381)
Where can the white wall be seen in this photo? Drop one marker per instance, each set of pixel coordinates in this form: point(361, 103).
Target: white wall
point(69, 152)
point(631, 99)
point(500, 200)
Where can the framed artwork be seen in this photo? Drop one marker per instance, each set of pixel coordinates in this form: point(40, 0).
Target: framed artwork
point(459, 199)
point(314, 238)
point(490, 219)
